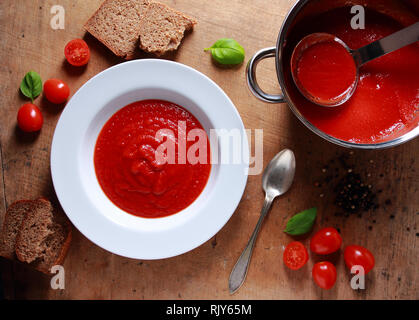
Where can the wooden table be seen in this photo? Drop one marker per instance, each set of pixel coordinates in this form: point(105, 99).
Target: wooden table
point(29, 43)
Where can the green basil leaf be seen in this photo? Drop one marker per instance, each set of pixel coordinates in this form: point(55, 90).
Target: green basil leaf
point(31, 85)
point(227, 51)
point(301, 223)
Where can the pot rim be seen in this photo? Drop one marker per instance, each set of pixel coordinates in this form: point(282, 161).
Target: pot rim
point(296, 8)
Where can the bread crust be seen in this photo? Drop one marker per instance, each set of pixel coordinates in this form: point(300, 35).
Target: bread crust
point(63, 253)
point(64, 249)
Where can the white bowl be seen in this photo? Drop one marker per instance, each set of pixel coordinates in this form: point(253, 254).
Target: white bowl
point(74, 176)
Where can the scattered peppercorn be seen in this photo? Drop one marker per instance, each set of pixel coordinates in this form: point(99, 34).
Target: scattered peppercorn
point(354, 193)
point(353, 196)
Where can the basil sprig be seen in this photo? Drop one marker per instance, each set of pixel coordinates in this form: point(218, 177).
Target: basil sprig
point(31, 85)
point(301, 223)
point(227, 52)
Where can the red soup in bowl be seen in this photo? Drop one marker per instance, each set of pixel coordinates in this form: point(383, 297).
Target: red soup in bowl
point(152, 158)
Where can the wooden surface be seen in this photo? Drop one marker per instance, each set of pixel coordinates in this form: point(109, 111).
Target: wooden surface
point(29, 43)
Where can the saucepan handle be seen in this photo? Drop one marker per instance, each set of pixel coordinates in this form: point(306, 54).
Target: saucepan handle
point(251, 76)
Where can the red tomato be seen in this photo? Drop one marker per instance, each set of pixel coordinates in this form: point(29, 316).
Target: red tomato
point(29, 118)
point(56, 91)
point(324, 275)
point(295, 255)
point(359, 256)
point(77, 52)
point(326, 241)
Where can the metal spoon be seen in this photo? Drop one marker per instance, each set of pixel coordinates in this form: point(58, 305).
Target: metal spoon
point(277, 180)
point(361, 56)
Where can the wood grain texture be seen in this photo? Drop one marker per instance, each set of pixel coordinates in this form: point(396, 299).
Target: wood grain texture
point(29, 43)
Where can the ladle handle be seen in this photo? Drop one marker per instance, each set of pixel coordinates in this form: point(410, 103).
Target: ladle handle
point(238, 275)
point(387, 45)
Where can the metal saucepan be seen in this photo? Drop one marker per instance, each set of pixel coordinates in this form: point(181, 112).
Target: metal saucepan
point(299, 11)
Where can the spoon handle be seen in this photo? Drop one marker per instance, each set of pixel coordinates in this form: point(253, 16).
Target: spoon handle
point(238, 275)
point(387, 45)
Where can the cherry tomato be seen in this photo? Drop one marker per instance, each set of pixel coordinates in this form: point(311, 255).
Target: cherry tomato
point(29, 118)
point(324, 275)
point(77, 52)
point(295, 255)
point(359, 256)
point(326, 241)
point(56, 91)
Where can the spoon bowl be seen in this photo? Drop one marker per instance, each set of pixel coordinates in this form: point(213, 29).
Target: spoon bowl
point(279, 174)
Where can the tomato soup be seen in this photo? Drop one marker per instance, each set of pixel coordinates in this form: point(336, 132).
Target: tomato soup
point(131, 174)
point(327, 71)
point(387, 97)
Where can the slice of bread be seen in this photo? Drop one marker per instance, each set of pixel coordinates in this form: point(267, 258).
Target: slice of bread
point(35, 228)
point(12, 222)
point(35, 233)
point(44, 237)
point(162, 28)
point(117, 25)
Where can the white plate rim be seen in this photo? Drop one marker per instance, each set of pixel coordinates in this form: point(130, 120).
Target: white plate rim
point(112, 236)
